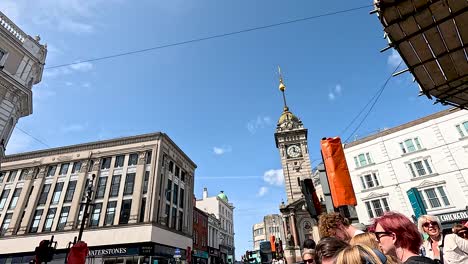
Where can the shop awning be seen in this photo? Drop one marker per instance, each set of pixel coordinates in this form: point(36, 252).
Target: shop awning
point(431, 37)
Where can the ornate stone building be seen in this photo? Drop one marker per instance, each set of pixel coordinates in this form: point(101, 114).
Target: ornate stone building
point(291, 141)
point(22, 61)
point(142, 200)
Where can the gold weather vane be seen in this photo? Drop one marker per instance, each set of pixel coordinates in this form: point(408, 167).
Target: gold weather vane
point(282, 88)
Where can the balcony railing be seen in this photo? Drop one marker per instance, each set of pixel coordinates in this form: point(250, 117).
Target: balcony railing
point(10, 27)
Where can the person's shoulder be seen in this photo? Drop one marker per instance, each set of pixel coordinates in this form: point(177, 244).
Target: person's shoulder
point(419, 260)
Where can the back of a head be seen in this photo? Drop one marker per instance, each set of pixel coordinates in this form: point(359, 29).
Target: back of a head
point(407, 234)
point(367, 239)
point(328, 247)
point(358, 254)
point(309, 243)
point(457, 228)
point(329, 222)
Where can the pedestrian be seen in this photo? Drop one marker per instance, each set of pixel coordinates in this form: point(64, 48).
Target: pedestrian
point(455, 248)
point(308, 256)
point(327, 249)
point(430, 225)
point(360, 254)
point(335, 225)
point(399, 237)
point(460, 230)
point(309, 243)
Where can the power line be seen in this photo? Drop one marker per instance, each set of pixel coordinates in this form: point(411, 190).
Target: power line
point(208, 38)
point(379, 93)
point(33, 137)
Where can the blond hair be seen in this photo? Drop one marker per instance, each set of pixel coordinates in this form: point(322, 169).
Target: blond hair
point(357, 254)
point(366, 239)
point(424, 218)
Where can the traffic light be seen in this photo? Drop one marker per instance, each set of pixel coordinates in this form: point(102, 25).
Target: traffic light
point(313, 203)
point(44, 252)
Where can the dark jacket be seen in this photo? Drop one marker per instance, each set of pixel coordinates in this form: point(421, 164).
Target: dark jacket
point(419, 260)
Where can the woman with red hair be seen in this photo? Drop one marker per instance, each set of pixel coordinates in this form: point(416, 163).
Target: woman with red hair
point(398, 236)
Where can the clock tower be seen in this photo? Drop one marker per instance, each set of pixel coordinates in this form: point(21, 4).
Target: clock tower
point(291, 141)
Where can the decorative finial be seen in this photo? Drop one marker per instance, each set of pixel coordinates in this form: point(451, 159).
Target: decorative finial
point(282, 88)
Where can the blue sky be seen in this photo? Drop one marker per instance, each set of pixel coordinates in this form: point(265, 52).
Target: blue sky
point(217, 99)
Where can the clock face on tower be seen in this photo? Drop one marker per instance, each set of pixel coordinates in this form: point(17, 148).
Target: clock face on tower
point(293, 151)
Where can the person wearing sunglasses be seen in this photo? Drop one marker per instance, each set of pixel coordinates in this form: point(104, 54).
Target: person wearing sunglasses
point(361, 254)
point(308, 256)
point(399, 237)
point(455, 248)
point(460, 230)
point(430, 226)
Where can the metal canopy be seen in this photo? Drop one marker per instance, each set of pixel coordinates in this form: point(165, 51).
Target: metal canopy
point(431, 37)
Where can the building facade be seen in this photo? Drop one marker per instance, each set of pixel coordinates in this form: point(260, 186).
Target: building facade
point(429, 154)
point(142, 202)
point(258, 234)
point(22, 60)
point(200, 237)
point(220, 206)
point(214, 237)
point(291, 141)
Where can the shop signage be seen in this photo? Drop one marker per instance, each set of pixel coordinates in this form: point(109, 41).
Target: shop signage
point(108, 251)
point(200, 254)
point(214, 251)
point(177, 253)
point(454, 216)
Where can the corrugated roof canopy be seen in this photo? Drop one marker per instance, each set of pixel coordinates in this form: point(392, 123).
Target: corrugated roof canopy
point(431, 37)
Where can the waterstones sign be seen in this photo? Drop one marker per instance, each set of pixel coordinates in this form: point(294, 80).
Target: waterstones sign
point(455, 216)
point(108, 251)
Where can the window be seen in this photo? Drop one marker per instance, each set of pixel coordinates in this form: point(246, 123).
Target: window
point(119, 161)
point(57, 193)
point(91, 165)
point(14, 199)
point(174, 217)
point(181, 220)
point(129, 182)
point(2, 175)
point(370, 181)
point(110, 213)
point(80, 215)
point(64, 168)
point(133, 159)
point(23, 174)
point(101, 187)
point(434, 197)
point(181, 201)
point(420, 168)
point(12, 176)
point(115, 186)
point(49, 220)
point(6, 224)
point(168, 190)
point(2, 53)
point(148, 157)
point(70, 191)
point(4, 198)
point(145, 182)
point(94, 220)
point(63, 218)
point(44, 194)
point(177, 171)
point(377, 207)
point(171, 166)
point(176, 193)
point(105, 163)
point(168, 209)
point(51, 170)
point(76, 167)
point(410, 145)
point(463, 129)
point(182, 175)
point(362, 159)
point(125, 211)
point(142, 210)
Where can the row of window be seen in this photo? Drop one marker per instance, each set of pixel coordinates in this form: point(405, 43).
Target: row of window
point(175, 169)
point(463, 129)
point(273, 229)
point(258, 232)
point(64, 168)
point(433, 198)
point(197, 218)
point(197, 238)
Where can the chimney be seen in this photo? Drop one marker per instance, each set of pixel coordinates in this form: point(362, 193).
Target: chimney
point(205, 193)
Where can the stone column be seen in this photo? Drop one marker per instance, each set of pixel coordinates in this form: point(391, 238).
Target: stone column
point(292, 223)
point(29, 210)
point(138, 188)
point(19, 209)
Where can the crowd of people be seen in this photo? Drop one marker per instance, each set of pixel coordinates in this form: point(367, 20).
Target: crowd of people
point(391, 239)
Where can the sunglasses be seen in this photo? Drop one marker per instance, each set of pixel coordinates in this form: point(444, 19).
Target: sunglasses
point(432, 223)
point(309, 261)
point(379, 235)
point(463, 233)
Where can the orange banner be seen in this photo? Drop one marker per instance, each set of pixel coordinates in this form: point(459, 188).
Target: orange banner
point(339, 180)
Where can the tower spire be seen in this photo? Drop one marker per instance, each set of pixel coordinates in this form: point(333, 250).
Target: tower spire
point(282, 88)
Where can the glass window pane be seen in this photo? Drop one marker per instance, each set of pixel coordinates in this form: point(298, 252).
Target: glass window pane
point(133, 159)
point(443, 195)
point(418, 144)
point(181, 202)
point(36, 220)
point(23, 174)
point(363, 182)
point(369, 160)
point(12, 176)
point(70, 191)
point(465, 125)
point(57, 193)
point(125, 211)
point(129, 183)
point(369, 210)
point(6, 224)
point(432, 197)
point(51, 170)
point(14, 199)
point(64, 169)
point(402, 148)
point(101, 188)
point(369, 181)
point(49, 220)
point(44, 194)
point(145, 182)
point(76, 167)
point(110, 213)
point(176, 194)
point(4, 198)
point(119, 161)
point(377, 207)
point(356, 162)
point(387, 208)
point(115, 186)
point(409, 145)
point(428, 166)
point(63, 218)
point(420, 168)
point(95, 216)
point(376, 180)
point(362, 160)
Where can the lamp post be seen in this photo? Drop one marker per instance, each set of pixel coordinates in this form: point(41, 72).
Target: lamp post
point(89, 194)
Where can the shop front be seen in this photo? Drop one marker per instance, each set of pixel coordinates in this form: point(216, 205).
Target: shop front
point(448, 220)
point(140, 253)
point(213, 256)
point(199, 257)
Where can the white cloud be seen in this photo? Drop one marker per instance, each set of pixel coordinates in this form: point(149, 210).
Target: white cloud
point(82, 66)
point(221, 150)
point(262, 191)
point(338, 89)
point(335, 92)
point(260, 122)
point(68, 83)
point(331, 96)
point(274, 177)
point(86, 85)
point(394, 59)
